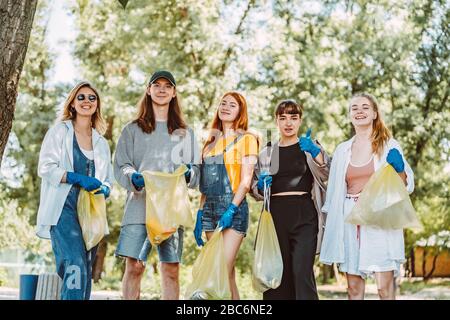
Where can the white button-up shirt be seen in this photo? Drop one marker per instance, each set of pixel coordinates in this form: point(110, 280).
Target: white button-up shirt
point(55, 158)
point(332, 250)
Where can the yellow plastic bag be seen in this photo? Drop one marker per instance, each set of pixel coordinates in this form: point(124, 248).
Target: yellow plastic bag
point(91, 209)
point(385, 203)
point(209, 272)
point(268, 263)
point(167, 203)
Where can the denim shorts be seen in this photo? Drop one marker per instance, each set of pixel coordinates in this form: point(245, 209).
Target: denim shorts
point(133, 243)
point(215, 206)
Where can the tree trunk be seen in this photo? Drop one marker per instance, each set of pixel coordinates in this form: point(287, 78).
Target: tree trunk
point(427, 277)
point(99, 261)
point(412, 266)
point(424, 263)
point(326, 271)
point(16, 21)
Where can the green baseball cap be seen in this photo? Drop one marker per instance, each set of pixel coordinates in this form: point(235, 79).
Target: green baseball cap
point(163, 74)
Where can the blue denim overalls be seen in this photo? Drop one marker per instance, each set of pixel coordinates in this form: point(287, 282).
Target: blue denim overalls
point(73, 262)
point(216, 186)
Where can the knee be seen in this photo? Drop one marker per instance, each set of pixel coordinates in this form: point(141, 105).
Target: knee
point(170, 270)
point(231, 272)
point(354, 289)
point(385, 291)
point(135, 268)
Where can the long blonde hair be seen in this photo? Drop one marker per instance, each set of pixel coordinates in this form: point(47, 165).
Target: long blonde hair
point(98, 123)
point(380, 133)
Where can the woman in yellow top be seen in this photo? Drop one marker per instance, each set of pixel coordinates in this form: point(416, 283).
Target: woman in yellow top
point(229, 156)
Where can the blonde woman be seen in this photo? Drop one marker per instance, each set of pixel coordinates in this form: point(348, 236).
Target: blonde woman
point(73, 155)
point(362, 251)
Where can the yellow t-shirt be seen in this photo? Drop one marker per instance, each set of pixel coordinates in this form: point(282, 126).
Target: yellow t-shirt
point(245, 146)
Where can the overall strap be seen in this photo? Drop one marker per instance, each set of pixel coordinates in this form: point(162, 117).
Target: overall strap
point(232, 143)
point(225, 148)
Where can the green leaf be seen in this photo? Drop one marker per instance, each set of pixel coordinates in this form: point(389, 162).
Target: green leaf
point(123, 3)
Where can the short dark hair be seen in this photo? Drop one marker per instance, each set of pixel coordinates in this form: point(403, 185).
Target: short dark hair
point(289, 107)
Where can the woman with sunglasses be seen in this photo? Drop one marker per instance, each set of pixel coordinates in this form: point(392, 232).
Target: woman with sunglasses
point(229, 157)
point(296, 173)
point(74, 155)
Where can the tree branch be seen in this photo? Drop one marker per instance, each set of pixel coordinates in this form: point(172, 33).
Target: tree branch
point(229, 52)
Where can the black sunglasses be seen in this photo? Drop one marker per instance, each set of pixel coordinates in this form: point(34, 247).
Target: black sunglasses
point(82, 96)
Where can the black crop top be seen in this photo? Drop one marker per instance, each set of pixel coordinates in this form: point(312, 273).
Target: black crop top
point(293, 172)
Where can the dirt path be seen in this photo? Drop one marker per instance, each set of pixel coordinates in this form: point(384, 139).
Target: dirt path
point(340, 293)
point(326, 292)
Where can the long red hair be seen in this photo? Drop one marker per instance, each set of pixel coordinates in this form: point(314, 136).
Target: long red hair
point(240, 124)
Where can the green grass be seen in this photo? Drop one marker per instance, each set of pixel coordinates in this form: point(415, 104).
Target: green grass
point(414, 286)
point(3, 277)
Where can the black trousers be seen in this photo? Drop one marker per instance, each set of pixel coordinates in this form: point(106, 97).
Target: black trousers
point(295, 219)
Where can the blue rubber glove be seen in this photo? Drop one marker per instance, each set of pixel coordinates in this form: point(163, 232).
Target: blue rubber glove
point(226, 219)
point(187, 174)
point(86, 182)
point(306, 144)
point(264, 177)
point(105, 190)
point(198, 228)
point(395, 159)
point(138, 180)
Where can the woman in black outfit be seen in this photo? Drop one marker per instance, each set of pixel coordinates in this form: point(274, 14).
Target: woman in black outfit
point(296, 171)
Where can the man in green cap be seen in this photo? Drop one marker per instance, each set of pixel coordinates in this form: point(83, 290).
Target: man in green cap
point(150, 142)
